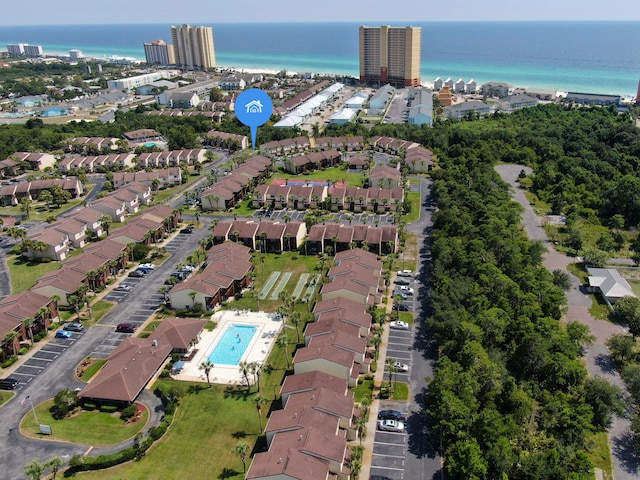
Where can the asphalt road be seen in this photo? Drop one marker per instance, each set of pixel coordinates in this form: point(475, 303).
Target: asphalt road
point(423, 459)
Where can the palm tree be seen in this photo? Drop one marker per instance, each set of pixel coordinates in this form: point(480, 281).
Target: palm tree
point(28, 325)
point(255, 369)
point(193, 295)
point(25, 206)
point(75, 301)
point(390, 364)
point(163, 290)
point(376, 341)
point(361, 427)
point(207, 366)
point(105, 222)
point(283, 342)
point(9, 339)
point(34, 470)
point(294, 317)
point(54, 464)
point(259, 400)
point(243, 367)
point(242, 448)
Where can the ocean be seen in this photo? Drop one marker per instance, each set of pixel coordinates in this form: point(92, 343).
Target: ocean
point(596, 57)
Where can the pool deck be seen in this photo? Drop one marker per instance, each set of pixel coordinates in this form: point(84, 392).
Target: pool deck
point(268, 326)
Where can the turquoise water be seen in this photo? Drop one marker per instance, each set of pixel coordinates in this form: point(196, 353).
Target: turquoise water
point(150, 144)
point(232, 345)
point(54, 112)
point(598, 57)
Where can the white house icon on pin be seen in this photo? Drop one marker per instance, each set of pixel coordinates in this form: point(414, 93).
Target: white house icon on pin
point(254, 106)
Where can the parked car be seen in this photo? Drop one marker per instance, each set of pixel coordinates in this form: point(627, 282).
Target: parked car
point(407, 290)
point(123, 287)
point(390, 415)
point(399, 325)
point(136, 274)
point(73, 327)
point(63, 334)
point(8, 383)
point(401, 367)
point(400, 293)
point(187, 230)
point(391, 425)
point(188, 268)
point(401, 307)
point(150, 266)
point(401, 281)
point(126, 327)
point(145, 271)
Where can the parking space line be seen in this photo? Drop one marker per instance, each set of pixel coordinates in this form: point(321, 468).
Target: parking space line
point(388, 455)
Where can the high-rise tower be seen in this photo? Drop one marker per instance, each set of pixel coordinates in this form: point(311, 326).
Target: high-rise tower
point(159, 52)
point(193, 47)
point(390, 55)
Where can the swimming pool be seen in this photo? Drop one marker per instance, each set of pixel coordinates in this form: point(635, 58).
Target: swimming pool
point(232, 345)
point(150, 144)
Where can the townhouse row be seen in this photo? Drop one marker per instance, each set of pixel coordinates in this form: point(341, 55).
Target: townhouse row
point(309, 438)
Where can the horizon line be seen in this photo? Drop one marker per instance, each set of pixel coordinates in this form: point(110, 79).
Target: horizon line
point(298, 22)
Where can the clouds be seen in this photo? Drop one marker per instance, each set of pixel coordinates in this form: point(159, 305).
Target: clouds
point(44, 12)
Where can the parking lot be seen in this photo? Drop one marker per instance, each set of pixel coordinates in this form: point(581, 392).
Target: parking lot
point(44, 357)
point(149, 302)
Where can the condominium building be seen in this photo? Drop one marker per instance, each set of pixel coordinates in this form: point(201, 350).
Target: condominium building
point(159, 52)
point(390, 55)
point(193, 47)
point(24, 49)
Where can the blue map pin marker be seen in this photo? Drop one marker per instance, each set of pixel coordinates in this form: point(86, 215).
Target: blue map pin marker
point(253, 108)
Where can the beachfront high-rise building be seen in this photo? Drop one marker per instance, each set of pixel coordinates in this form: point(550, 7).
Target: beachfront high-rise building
point(390, 55)
point(193, 47)
point(159, 52)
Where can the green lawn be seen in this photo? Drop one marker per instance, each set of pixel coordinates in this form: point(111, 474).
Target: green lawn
point(92, 369)
point(275, 262)
point(330, 174)
point(414, 215)
point(600, 454)
point(364, 389)
point(25, 272)
point(93, 427)
point(5, 396)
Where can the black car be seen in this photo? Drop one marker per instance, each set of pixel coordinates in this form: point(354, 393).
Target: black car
point(390, 415)
point(187, 230)
point(401, 307)
point(401, 281)
point(136, 274)
point(126, 327)
point(8, 383)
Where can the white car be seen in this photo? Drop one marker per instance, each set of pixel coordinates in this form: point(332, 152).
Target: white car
point(123, 287)
point(150, 266)
point(405, 273)
point(399, 325)
point(401, 367)
point(407, 290)
point(391, 425)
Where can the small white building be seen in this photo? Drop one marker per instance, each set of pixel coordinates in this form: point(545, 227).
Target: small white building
point(459, 86)
point(471, 87)
point(437, 84)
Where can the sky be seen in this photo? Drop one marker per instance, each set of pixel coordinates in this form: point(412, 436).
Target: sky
point(66, 12)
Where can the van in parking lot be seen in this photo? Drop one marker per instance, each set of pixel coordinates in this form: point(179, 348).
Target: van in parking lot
point(8, 383)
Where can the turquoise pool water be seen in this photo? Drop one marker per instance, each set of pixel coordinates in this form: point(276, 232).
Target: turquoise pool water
point(54, 112)
point(232, 345)
point(150, 144)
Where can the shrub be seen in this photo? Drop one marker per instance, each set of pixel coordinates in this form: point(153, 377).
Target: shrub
point(9, 361)
point(39, 336)
point(89, 406)
point(128, 412)
point(23, 350)
point(159, 431)
point(108, 408)
point(166, 373)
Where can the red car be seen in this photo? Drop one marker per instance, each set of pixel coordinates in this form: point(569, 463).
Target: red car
point(126, 327)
